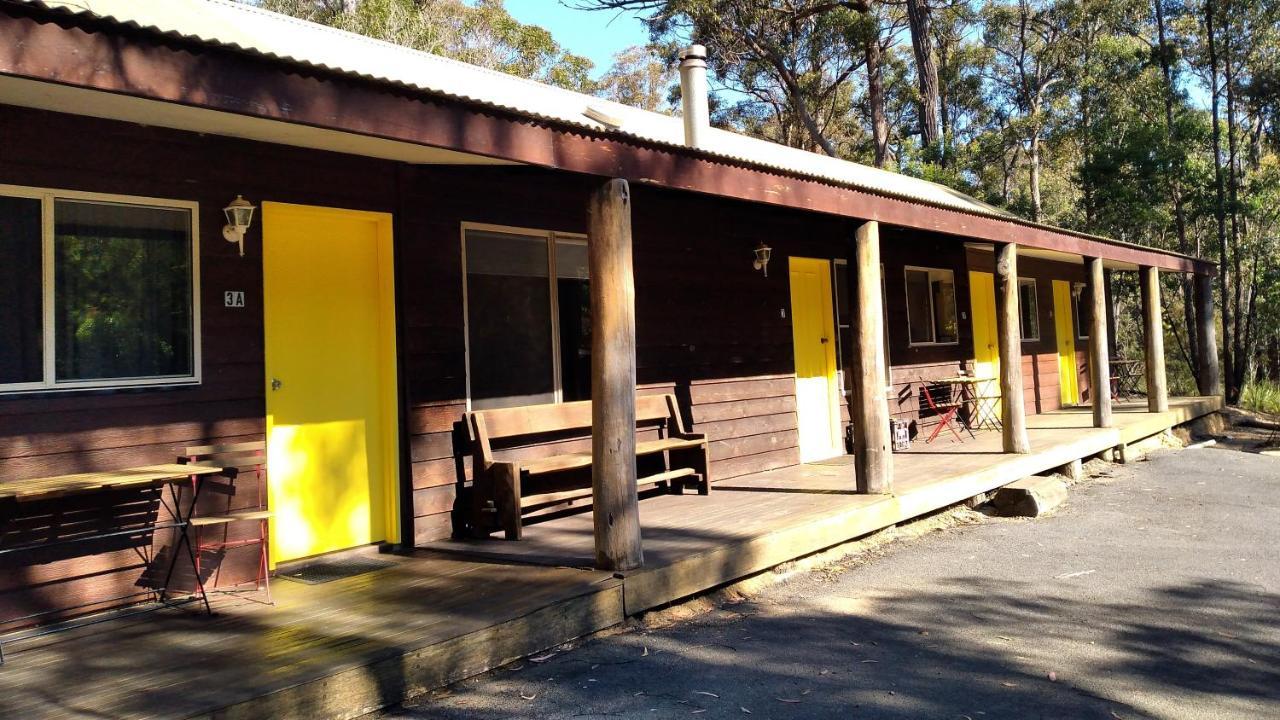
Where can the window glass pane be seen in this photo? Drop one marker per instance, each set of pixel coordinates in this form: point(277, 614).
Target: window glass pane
point(574, 297)
point(919, 314)
point(508, 320)
point(1029, 310)
point(947, 328)
point(21, 307)
point(122, 291)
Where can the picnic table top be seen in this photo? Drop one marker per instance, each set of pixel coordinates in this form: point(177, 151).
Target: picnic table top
point(58, 485)
point(966, 379)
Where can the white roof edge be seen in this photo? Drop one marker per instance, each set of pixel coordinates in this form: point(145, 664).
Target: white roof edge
point(257, 31)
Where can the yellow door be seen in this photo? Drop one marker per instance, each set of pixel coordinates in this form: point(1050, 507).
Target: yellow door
point(813, 331)
point(986, 352)
point(1064, 329)
point(330, 386)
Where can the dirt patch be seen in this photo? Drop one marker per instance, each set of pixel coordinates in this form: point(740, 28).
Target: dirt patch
point(1244, 430)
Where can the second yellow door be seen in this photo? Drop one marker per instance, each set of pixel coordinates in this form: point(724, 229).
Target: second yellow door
point(813, 332)
point(330, 360)
point(986, 352)
point(1065, 330)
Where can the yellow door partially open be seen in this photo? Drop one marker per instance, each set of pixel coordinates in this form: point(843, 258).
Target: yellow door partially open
point(813, 332)
point(329, 324)
point(1065, 330)
point(986, 351)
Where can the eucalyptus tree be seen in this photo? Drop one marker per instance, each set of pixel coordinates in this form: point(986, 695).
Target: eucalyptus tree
point(481, 33)
point(1033, 63)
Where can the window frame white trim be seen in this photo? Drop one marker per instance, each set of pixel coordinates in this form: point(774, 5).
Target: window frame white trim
point(49, 382)
point(933, 311)
point(551, 237)
point(1035, 293)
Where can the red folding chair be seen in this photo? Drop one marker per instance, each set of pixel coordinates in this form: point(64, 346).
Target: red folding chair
point(945, 412)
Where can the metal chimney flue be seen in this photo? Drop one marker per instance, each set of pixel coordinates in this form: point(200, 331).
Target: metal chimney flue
point(693, 94)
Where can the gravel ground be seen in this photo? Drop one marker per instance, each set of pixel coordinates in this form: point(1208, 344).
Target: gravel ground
point(1153, 592)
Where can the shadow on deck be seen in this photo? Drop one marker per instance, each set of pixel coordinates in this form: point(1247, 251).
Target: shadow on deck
point(457, 608)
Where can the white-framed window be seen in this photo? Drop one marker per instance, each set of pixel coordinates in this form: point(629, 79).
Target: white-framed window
point(1028, 309)
point(1081, 305)
point(528, 316)
point(931, 306)
point(97, 290)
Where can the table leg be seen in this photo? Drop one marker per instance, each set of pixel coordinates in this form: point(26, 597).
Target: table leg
point(182, 523)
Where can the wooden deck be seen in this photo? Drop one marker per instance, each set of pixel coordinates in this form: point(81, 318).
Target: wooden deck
point(754, 522)
point(458, 608)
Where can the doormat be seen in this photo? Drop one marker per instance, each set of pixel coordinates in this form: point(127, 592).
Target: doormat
point(327, 571)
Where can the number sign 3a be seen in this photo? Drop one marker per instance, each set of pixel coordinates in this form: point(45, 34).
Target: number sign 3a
point(233, 298)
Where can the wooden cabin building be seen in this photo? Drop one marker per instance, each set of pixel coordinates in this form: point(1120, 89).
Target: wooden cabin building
point(421, 248)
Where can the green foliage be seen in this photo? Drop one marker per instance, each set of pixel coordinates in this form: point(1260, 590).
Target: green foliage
point(482, 33)
point(1261, 396)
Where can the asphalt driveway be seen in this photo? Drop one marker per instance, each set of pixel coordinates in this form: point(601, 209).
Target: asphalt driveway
point(1154, 592)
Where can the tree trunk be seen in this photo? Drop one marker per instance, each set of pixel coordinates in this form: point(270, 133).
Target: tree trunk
point(1175, 188)
point(1035, 176)
point(875, 98)
point(926, 71)
point(1220, 206)
point(1235, 379)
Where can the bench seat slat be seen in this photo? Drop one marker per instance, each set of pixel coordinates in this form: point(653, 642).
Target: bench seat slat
point(573, 461)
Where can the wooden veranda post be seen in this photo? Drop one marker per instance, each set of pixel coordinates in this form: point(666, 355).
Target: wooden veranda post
point(1207, 334)
point(873, 458)
point(1099, 344)
point(1153, 326)
point(613, 379)
point(1013, 410)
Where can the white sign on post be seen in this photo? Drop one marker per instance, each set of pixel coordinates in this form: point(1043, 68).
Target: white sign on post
point(233, 298)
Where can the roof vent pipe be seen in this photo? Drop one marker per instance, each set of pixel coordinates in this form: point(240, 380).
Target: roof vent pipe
point(693, 94)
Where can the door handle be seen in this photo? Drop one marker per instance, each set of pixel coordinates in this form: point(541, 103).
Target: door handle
point(275, 384)
point(824, 341)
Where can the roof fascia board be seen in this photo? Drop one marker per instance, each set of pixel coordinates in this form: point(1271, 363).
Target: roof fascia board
point(166, 69)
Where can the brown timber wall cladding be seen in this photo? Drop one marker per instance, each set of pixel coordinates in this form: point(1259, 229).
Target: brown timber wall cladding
point(66, 432)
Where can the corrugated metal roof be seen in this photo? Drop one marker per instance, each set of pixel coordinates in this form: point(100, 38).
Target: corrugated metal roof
point(253, 30)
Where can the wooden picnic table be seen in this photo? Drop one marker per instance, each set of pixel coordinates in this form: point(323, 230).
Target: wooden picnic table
point(1125, 375)
point(60, 485)
point(983, 407)
point(147, 476)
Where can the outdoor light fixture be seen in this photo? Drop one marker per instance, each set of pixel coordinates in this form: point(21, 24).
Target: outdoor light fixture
point(762, 258)
point(239, 216)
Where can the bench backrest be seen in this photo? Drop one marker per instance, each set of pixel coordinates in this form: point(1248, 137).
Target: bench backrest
point(487, 425)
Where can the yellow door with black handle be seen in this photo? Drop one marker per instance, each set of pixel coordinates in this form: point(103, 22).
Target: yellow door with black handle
point(813, 332)
point(986, 351)
point(329, 327)
point(1064, 328)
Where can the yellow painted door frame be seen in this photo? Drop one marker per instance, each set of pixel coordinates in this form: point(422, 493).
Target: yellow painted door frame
point(986, 351)
point(1065, 331)
point(331, 387)
point(814, 335)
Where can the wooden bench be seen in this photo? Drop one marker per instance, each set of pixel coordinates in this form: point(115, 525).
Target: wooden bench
point(505, 490)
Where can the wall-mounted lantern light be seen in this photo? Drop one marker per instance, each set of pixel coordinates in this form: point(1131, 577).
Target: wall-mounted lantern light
point(239, 216)
point(763, 252)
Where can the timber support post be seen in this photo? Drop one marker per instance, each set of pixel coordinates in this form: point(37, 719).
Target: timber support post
point(1153, 325)
point(615, 505)
point(1099, 345)
point(873, 457)
point(1206, 333)
point(1013, 410)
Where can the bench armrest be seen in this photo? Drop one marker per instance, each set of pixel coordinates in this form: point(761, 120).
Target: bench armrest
point(689, 436)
